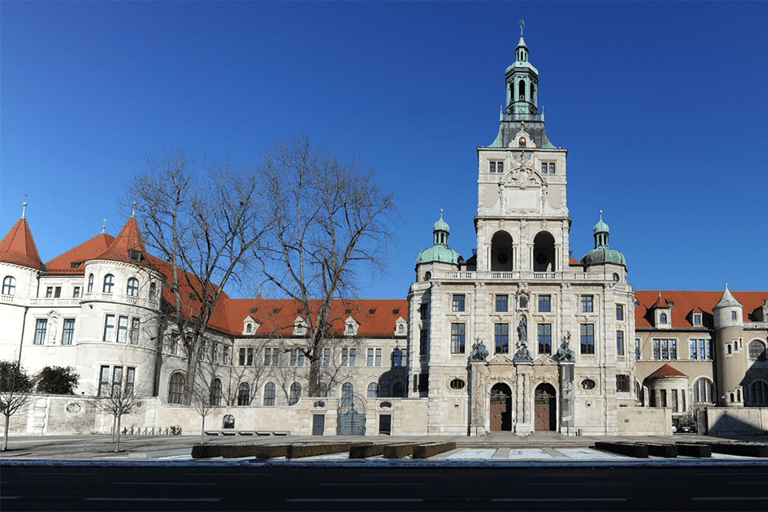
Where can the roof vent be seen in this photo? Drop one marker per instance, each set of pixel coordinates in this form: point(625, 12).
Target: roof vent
point(395, 311)
point(371, 311)
point(75, 264)
point(253, 310)
point(275, 311)
point(347, 311)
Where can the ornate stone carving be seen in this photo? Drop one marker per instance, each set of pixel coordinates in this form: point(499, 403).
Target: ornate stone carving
point(564, 353)
point(479, 352)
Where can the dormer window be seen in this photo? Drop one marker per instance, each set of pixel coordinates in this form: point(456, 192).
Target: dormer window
point(350, 329)
point(697, 319)
point(249, 328)
point(135, 256)
point(663, 318)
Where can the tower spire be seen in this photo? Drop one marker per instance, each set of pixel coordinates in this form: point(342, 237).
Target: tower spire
point(24, 210)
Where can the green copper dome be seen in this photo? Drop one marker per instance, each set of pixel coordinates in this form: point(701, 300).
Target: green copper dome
point(439, 252)
point(602, 253)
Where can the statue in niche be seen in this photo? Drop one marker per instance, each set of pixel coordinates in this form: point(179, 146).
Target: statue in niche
point(522, 354)
point(522, 330)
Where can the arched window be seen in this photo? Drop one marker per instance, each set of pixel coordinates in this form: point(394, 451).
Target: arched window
point(758, 393)
point(756, 350)
point(152, 292)
point(347, 390)
point(703, 391)
point(269, 394)
point(243, 394)
point(295, 394)
point(90, 283)
point(398, 390)
point(133, 287)
point(215, 398)
point(322, 390)
point(109, 282)
point(9, 285)
point(501, 252)
point(228, 421)
point(663, 318)
point(373, 390)
point(176, 388)
point(544, 252)
point(521, 89)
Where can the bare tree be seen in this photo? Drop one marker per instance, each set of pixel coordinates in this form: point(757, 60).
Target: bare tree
point(329, 220)
point(204, 404)
point(15, 392)
point(117, 401)
point(204, 228)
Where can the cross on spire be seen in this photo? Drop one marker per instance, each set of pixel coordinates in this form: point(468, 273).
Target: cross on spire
point(522, 26)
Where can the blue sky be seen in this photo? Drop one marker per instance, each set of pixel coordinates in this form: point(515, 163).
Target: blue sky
point(663, 107)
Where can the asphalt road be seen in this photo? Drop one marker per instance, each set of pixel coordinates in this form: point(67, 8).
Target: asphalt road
point(382, 487)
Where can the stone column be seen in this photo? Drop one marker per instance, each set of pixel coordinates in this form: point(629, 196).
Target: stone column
point(478, 378)
point(567, 391)
point(523, 398)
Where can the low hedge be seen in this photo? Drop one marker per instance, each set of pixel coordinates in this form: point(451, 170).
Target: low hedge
point(363, 451)
point(234, 451)
point(296, 451)
point(639, 451)
point(743, 449)
point(424, 451)
point(398, 451)
point(694, 449)
point(662, 450)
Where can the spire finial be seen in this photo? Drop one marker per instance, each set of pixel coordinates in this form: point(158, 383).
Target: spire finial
point(133, 211)
point(24, 210)
point(104, 227)
point(601, 214)
point(441, 213)
point(522, 26)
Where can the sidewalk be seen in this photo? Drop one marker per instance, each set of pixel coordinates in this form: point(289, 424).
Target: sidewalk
point(547, 446)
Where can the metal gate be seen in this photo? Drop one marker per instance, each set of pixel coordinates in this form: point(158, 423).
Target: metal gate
point(351, 415)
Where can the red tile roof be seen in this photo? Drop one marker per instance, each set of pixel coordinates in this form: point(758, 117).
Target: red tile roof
point(685, 302)
point(128, 239)
point(86, 251)
point(18, 247)
point(666, 371)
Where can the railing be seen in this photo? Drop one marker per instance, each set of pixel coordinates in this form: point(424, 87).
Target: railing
point(525, 275)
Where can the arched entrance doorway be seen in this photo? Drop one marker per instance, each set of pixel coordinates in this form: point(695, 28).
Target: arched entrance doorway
point(546, 408)
point(501, 408)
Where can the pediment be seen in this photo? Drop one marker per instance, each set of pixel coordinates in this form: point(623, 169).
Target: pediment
point(500, 359)
point(545, 360)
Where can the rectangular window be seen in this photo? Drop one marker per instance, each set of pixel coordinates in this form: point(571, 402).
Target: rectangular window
point(57, 292)
point(423, 341)
point(587, 338)
point(370, 357)
point(545, 338)
point(352, 357)
point(345, 357)
point(458, 332)
point(664, 349)
point(104, 381)
point(499, 167)
point(637, 348)
point(117, 381)
point(122, 329)
point(622, 383)
point(673, 349)
point(130, 378)
point(173, 344)
point(545, 303)
point(544, 168)
point(424, 311)
point(708, 347)
point(552, 168)
point(700, 349)
point(587, 304)
point(225, 354)
point(458, 303)
point(656, 349)
point(501, 333)
point(214, 352)
point(249, 358)
point(68, 334)
point(327, 357)
point(201, 351)
point(492, 166)
point(694, 352)
point(76, 292)
point(241, 359)
point(502, 303)
point(41, 327)
point(378, 357)
point(49, 292)
point(109, 328)
point(662, 398)
point(135, 329)
point(619, 312)
point(697, 319)
point(619, 343)
point(271, 357)
point(674, 400)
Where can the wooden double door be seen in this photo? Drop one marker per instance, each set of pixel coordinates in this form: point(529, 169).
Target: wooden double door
point(545, 411)
point(501, 408)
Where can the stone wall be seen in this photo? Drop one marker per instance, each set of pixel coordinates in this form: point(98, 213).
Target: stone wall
point(724, 421)
point(644, 421)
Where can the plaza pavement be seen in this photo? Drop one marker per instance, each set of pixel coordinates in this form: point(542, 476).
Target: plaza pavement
point(496, 446)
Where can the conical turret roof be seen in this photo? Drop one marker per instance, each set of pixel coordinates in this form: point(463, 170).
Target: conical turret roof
point(728, 300)
point(18, 247)
point(128, 242)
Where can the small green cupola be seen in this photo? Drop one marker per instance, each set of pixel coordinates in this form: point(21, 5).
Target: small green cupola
point(439, 252)
point(602, 253)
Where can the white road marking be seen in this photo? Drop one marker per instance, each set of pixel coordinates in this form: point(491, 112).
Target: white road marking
point(560, 499)
point(579, 484)
point(384, 484)
point(728, 498)
point(351, 500)
point(152, 499)
point(163, 483)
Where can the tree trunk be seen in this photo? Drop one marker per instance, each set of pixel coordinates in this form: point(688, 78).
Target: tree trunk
point(5, 435)
point(114, 430)
point(117, 446)
point(314, 373)
point(202, 431)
